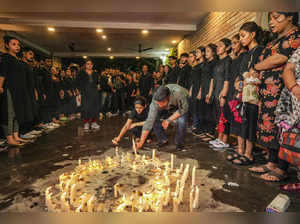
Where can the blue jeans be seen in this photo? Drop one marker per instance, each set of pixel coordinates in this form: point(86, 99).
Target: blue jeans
point(181, 125)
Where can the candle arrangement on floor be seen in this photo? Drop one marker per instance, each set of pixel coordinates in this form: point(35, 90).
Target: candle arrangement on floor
point(125, 182)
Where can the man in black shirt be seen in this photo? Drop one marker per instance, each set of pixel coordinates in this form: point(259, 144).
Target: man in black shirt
point(184, 72)
point(173, 73)
point(146, 83)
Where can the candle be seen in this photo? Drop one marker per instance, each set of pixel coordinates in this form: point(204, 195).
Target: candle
point(193, 176)
point(172, 162)
point(90, 204)
point(134, 167)
point(72, 193)
point(180, 198)
point(116, 193)
point(181, 168)
point(79, 162)
point(196, 199)
point(117, 151)
point(177, 187)
point(64, 203)
point(133, 146)
point(175, 205)
point(153, 154)
point(167, 198)
point(78, 209)
point(167, 180)
point(191, 199)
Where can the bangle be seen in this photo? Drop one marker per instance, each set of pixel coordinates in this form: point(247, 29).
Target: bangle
point(292, 87)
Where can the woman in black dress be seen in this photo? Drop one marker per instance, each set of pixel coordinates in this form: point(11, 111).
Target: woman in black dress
point(16, 107)
point(88, 84)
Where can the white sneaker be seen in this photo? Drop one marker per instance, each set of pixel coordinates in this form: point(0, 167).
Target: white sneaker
point(95, 126)
point(212, 142)
point(2, 141)
point(86, 127)
point(55, 125)
point(221, 145)
point(34, 132)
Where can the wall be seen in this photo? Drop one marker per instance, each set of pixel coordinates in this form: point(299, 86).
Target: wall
point(216, 26)
point(2, 49)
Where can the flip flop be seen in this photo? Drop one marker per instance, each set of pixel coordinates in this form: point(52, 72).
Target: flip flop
point(234, 155)
point(245, 161)
point(265, 170)
point(293, 188)
point(274, 174)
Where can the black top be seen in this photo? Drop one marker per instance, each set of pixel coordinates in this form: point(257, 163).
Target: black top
point(221, 73)
point(173, 75)
point(195, 79)
point(131, 87)
point(235, 72)
point(145, 84)
point(250, 59)
point(139, 117)
point(207, 72)
point(184, 76)
point(15, 75)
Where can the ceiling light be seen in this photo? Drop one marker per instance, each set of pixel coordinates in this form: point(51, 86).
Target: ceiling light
point(51, 29)
point(84, 57)
point(167, 49)
point(109, 49)
point(137, 57)
point(99, 30)
point(174, 42)
point(111, 57)
point(104, 37)
point(145, 31)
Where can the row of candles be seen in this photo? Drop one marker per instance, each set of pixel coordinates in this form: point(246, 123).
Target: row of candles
point(160, 196)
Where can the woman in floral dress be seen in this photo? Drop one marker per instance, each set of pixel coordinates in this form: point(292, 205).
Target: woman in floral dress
point(270, 67)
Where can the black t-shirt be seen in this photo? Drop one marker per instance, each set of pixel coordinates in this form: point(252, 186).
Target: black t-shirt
point(145, 84)
point(131, 87)
point(207, 72)
point(195, 79)
point(235, 72)
point(139, 117)
point(184, 76)
point(172, 76)
point(221, 74)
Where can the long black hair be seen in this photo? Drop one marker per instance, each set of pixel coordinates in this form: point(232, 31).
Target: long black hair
point(294, 15)
point(227, 43)
point(213, 47)
point(261, 37)
point(7, 39)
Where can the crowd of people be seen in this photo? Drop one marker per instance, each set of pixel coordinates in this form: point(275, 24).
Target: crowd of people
point(247, 87)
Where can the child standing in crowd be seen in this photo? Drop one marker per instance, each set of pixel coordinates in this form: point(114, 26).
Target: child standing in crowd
point(15, 103)
point(221, 77)
point(252, 37)
point(135, 120)
point(88, 81)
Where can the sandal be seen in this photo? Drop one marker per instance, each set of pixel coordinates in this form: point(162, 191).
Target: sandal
point(264, 167)
point(243, 161)
point(280, 177)
point(291, 187)
point(232, 156)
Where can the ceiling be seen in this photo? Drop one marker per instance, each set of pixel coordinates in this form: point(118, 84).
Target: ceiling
point(123, 31)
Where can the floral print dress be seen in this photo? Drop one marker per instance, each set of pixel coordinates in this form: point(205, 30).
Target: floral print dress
point(271, 88)
point(288, 109)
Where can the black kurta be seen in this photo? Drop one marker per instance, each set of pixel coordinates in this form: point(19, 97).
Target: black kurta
point(184, 76)
point(146, 84)
point(207, 72)
point(172, 77)
point(15, 81)
point(195, 79)
point(89, 94)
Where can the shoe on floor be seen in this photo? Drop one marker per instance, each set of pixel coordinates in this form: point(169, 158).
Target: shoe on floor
point(162, 144)
point(180, 148)
point(212, 142)
point(86, 127)
point(220, 145)
point(35, 132)
point(95, 126)
point(27, 136)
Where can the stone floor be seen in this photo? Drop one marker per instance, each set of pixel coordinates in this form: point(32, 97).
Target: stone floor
point(20, 168)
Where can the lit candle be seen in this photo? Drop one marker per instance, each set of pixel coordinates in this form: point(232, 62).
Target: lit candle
point(79, 162)
point(167, 198)
point(181, 168)
point(153, 154)
point(196, 199)
point(167, 180)
point(193, 176)
point(134, 147)
point(177, 187)
point(63, 202)
point(191, 199)
point(78, 209)
point(175, 204)
point(117, 151)
point(90, 204)
point(72, 193)
point(180, 198)
point(172, 162)
point(116, 193)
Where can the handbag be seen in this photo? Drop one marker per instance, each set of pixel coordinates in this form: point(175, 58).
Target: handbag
point(290, 148)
